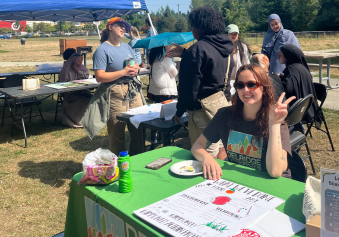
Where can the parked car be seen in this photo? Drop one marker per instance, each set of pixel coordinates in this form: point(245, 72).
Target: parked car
point(45, 35)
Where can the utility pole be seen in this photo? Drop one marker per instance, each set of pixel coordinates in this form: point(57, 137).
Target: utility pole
point(178, 9)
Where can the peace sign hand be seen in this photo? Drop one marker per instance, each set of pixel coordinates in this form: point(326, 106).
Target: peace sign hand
point(278, 112)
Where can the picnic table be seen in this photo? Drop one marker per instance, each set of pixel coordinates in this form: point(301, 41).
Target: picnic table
point(320, 56)
point(88, 204)
point(166, 127)
point(17, 93)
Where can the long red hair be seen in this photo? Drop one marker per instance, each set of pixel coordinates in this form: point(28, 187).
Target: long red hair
point(262, 118)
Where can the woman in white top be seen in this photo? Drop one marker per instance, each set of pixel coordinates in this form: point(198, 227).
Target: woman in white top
point(162, 83)
point(240, 56)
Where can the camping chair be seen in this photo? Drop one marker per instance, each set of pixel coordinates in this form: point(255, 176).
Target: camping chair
point(297, 167)
point(14, 81)
point(60, 101)
point(321, 92)
point(294, 117)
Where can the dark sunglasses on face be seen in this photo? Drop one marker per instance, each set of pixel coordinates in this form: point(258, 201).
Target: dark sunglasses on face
point(252, 85)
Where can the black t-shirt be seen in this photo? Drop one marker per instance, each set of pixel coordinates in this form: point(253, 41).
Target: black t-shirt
point(242, 147)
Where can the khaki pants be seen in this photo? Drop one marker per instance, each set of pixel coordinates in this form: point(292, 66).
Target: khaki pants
point(197, 122)
point(116, 128)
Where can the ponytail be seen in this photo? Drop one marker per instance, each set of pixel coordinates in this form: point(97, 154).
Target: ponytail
point(104, 35)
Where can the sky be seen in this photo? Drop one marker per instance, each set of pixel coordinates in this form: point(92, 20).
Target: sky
point(154, 5)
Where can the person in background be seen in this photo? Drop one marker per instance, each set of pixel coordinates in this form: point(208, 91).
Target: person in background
point(202, 69)
point(240, 54)
point(276, 37)
point(115, 67)
point(296, 78)
point(133, 35)
point(74, 103)
point(23, 41)
point(162, 83)
point(263, 61)
point(151, 31)
point(253, 127)
point(68, 53)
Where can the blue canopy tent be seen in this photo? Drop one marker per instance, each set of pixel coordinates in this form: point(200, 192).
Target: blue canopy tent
point(69, 10)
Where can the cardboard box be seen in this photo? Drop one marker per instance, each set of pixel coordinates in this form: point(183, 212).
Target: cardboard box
point(313, 227)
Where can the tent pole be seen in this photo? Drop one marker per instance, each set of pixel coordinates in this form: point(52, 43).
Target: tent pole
point(150, 20)
point(98, 31)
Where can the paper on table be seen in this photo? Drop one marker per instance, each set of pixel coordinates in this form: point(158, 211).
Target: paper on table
point(139, 118)
point(152, 108)
point(85, 81)
point(55, 86)
point(273, 224)
point(211, 208)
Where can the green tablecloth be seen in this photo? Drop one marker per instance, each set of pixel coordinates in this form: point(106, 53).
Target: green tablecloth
point(108, 209)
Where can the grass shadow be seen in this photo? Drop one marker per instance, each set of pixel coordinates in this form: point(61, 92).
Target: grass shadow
point(86, 144)
point(53, 173)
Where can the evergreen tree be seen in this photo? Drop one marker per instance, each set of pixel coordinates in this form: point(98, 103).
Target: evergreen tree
point(235, 13)
point(304, 14)
point(181, 25)
point(328, 17)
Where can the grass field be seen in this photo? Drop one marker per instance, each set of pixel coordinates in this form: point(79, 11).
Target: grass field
point(34, 181)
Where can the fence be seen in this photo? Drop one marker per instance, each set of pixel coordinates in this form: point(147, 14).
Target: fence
point(258, 37)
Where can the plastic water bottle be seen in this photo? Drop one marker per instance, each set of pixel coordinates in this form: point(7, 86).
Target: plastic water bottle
point(125, 180)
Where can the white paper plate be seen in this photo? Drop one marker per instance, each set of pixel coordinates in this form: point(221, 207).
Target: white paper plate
point(180, 168)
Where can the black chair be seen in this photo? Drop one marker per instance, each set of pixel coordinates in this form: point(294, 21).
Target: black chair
point(297, 167)
point(293, 120)
point(60, 101)
point(14, 81)
point(321, 92)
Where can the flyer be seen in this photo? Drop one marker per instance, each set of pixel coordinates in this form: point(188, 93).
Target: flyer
point(329, 202)
point(211, 208)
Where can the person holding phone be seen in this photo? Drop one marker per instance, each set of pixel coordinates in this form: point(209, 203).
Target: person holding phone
point(115, 67)
point(252, 129)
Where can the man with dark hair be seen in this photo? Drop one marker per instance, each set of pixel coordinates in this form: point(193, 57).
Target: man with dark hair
point(150, 33)
point(202, 69)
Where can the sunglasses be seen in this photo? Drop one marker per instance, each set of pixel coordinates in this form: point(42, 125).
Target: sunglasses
point(252, 85)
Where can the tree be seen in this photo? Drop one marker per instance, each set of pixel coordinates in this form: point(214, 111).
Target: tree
point(235, 13)
point(181, 25)
point(28, 29)
point(305, 14)
point(328, 18)
point(196, 3)
point(167, 22)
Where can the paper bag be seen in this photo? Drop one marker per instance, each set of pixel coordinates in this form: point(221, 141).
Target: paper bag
point(311, 202)
point(30, 84)
point(168, 110)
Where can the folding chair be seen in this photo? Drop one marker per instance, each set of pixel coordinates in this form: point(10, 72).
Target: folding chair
point(13, 81)
point(60, 101)
point(294, 117)
point(297, 167)
point(321, 92)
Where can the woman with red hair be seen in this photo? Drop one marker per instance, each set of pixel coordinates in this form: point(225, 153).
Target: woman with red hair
point(252, 130)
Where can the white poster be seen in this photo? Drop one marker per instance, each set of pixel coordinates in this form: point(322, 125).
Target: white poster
point(329, 202)
point(211, 208)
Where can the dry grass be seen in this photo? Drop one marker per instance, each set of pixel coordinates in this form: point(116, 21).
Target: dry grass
point(34, 181)
point(38, 50)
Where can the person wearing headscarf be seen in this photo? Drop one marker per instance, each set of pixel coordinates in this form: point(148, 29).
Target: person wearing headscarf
point(296, 78)
point(240, 54)
point(75, 103)
point(276, 37)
